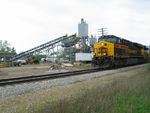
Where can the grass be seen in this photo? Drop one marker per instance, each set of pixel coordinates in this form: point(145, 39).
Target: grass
point(149, 64)
point(125, 92)
point(123, 95)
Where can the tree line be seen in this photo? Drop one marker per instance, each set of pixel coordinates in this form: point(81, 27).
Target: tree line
point(5, 47)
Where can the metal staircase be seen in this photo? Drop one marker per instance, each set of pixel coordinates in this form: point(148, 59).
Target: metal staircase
point(30, 52)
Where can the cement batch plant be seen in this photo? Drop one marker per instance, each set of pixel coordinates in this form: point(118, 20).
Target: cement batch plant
point(79, 48)
point(72, 48)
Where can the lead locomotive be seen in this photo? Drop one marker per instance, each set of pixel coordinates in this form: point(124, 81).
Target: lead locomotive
point(112, 51)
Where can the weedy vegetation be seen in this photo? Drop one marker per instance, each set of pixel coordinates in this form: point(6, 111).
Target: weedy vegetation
point(123, 95)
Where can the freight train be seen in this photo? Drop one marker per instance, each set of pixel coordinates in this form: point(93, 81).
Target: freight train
point(113, 51)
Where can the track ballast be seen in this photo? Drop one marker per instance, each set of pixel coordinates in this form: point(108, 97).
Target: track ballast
point(18, 80)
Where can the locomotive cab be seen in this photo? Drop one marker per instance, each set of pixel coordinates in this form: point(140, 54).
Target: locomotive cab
point(104, 51)
point(105, 46)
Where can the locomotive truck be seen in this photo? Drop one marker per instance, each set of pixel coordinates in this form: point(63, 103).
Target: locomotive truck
point(113, 51)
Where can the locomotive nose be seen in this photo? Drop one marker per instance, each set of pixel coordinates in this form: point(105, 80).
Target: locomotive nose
point(103, 44)
point(103, 49)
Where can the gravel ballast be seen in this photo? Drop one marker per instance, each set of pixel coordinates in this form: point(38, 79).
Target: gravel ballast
point(19, 89)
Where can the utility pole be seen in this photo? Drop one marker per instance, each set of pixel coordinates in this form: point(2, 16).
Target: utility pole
point(102, 31)
point(149, 49)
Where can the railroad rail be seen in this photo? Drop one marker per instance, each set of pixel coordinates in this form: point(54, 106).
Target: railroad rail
point(11, 81)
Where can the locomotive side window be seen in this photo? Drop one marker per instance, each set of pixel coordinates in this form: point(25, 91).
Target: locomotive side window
point(112, 40)
point(108, 39)
point(101, 39)
point(120, 40)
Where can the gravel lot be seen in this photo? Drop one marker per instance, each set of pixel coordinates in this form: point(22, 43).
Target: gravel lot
point(15, 90)
point(36, 69)
point(25, 70)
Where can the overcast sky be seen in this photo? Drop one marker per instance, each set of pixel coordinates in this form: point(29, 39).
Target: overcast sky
point(29, 23)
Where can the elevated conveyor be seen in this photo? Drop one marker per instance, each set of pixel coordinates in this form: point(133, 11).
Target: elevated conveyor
point(30, 52)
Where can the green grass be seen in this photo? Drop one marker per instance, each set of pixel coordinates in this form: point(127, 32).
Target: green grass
point(123, 95)
point(149, 65)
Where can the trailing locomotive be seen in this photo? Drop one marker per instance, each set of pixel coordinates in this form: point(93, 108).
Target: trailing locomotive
point(112, 51)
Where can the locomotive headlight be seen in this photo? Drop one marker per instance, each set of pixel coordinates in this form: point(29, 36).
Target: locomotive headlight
point(102, 44)
point(104, 53)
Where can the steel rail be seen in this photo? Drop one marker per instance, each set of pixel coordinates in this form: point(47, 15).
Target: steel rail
point(18, 80)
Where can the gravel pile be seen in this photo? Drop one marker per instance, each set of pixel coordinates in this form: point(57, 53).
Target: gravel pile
point(15, 90)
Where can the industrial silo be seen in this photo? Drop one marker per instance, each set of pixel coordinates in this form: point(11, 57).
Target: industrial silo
point(83, 29)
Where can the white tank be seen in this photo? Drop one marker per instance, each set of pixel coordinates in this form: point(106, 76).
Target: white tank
point(83, 29)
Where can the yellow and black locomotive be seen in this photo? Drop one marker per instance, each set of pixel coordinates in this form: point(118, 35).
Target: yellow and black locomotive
point(112, 51)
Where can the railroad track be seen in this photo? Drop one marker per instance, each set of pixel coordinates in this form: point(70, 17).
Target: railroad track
point(18, 80)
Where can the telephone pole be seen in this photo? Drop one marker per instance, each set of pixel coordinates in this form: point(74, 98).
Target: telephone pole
point(102, 31)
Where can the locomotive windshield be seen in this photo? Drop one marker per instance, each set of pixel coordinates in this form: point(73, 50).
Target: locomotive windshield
point(108, 39)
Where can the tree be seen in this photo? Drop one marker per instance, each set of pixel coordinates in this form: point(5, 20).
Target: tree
point(5, 47)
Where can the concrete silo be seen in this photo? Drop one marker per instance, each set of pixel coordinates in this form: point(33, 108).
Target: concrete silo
point(83, 29)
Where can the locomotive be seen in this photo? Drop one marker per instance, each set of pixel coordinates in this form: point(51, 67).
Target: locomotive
point(113, 51)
